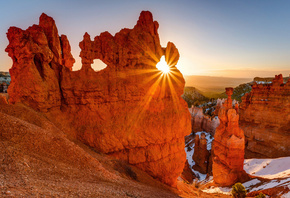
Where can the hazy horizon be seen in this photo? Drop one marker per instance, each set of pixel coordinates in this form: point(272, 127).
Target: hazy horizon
point(246, 74)
point(227, 39)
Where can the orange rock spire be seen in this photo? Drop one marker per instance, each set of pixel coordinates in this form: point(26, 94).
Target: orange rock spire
point(201, 154)
point(228, 146)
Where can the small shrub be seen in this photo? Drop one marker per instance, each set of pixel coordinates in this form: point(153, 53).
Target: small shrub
point(239, 191)
point(261, 195)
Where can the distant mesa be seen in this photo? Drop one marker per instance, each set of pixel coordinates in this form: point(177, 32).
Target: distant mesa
point(128, 110)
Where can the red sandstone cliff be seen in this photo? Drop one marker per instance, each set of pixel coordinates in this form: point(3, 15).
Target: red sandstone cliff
point(265, 118)
point(228, 146)
point(129, 109)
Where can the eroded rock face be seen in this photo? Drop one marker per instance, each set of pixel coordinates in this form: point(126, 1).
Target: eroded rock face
point(201, 122)
point(228, 146)
point(129, 110)
point(37, 57)
point(265, 118)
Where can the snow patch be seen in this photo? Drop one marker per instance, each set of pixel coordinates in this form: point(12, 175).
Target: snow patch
point(268, 168)
point(272, 184)
point(221, 190)
point(251, 183)
point(263, 82)
point(287, 195)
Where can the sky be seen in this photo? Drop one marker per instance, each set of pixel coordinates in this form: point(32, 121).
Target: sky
point(229, 38)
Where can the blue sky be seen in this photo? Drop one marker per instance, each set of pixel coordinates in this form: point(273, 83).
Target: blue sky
point(215, 37)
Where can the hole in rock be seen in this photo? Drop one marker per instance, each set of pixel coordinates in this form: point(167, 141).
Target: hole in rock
point(98, 65)
point(162, 66)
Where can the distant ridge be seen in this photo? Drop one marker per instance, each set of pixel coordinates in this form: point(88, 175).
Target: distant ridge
point(4, 74)
point(4, 78)
point(211, 86)
point(268, 79)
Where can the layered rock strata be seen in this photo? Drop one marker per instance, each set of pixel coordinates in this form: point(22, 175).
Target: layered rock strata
point(265, 118)
point(129, 110)
point(228, 146)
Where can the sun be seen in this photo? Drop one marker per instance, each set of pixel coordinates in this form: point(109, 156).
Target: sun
point(162, 66)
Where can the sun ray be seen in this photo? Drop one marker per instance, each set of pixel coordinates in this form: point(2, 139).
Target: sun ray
point(163, 79)
point(143, 104)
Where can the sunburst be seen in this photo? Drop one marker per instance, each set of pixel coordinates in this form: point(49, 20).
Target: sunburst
point(162, 66)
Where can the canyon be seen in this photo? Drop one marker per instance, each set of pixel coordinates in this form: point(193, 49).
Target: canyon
point(127, 118)
point(264, 116)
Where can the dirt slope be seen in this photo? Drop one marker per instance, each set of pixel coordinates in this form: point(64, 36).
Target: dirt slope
point(37, 159)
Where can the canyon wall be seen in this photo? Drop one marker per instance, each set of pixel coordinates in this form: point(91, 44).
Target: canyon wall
point(228, 146)
point(265, 118)
point(129, 110)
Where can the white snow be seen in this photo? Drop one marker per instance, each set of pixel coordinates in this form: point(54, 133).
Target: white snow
point(268, 168)
point(277, 169)
point(221, 190)
point(200, 175)
point(248, 185)
point(287, 195)
point(271, 184)
point(189, 155)
point(263, 82)
point(227, 190)
point(251, 183)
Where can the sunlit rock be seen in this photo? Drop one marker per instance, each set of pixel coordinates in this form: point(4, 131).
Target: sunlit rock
point(129, 110)
point(228, 146)
point(265, 118)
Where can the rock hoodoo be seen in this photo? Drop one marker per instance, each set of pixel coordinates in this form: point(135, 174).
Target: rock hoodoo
point(201, 154)
point(265, 118)
point(129, 110)
point(228, 146)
